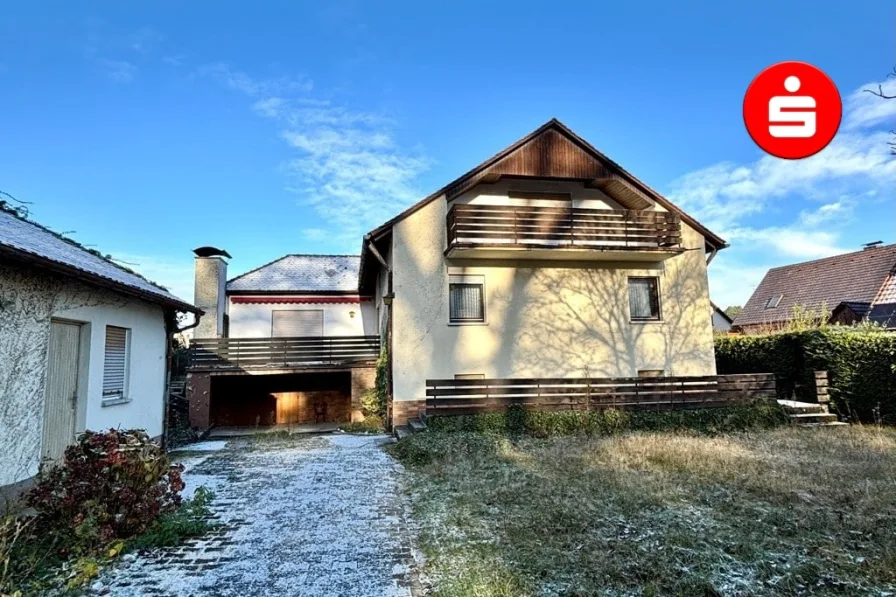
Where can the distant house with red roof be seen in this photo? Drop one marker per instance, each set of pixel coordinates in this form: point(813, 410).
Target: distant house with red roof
point(849, 288)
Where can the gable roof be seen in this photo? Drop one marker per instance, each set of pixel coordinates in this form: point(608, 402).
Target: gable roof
point(850, 278)
point(29, 242)
point(323, 274)
point(552, 150)
point(581, 160)
point(722, 313)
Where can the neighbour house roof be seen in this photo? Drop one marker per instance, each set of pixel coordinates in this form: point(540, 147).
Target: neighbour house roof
point(551, 151)
point(854, 278)
point(315, 274)
point(26, 241)
point(722, 313)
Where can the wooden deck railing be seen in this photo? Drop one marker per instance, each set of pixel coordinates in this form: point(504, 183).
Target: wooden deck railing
point(471, 226)
point(462, 397)
point(240, 353)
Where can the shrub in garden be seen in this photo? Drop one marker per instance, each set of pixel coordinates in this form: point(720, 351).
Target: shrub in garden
point(519, 421)
point(110, 485)
point(861, 365)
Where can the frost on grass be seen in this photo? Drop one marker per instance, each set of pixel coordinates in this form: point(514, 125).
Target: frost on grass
point(786, 512)
point(299, 516)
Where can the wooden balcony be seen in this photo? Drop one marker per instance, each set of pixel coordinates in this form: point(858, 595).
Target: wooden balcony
point(283, 353)
point(520, 232)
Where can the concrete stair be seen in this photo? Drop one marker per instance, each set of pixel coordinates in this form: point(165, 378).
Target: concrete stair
point(417, 425)
point(809, 414)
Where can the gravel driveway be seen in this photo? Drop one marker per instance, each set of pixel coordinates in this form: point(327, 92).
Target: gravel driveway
point(319, 515)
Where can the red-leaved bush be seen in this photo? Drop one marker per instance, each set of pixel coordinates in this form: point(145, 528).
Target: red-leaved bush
point(110, 485)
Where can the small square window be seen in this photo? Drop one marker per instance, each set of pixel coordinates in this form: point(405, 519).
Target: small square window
point(466, 299)
point(644, 299)
point(773, 301)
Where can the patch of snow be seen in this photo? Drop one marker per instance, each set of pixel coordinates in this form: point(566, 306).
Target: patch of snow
point(322, 515)
point(206, 446)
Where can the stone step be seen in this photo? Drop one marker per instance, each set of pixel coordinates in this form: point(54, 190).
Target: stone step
point(814, 418)
point(821, 409)
point(796, 408)
point(401, 431)
point(416, 425)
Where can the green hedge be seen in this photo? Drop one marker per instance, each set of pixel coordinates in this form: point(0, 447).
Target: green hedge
point(519, 421)
point(861, 363)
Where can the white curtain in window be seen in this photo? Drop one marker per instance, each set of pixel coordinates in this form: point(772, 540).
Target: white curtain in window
point(466, 302)
point(642, 298)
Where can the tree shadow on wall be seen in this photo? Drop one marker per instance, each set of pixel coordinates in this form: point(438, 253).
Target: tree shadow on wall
point(575, 322)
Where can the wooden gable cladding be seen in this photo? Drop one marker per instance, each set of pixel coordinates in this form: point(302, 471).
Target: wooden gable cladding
point(547, 155)
point(554, 156)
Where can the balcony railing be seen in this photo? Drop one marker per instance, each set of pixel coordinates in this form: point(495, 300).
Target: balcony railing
point(511, 226)
point(279, 353)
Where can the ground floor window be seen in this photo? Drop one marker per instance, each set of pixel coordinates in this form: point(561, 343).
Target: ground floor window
point(466, 299)
point(644, 299)
point(115, 362)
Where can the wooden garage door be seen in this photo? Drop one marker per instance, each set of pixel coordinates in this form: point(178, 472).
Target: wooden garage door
point(61, 399)
point(307, 322)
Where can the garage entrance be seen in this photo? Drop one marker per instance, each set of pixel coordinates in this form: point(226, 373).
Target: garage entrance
point(281, 399)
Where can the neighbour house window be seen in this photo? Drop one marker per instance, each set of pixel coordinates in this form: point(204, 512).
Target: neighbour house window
point(644, 299)
point(116, 362)
point(307, 322)
point(773, 301)
point(466, 299)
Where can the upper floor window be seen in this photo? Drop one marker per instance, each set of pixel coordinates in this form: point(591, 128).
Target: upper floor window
point(116, 362)
point(466, 299)
point(773, 301)
point(644, 299)
point(306, 322)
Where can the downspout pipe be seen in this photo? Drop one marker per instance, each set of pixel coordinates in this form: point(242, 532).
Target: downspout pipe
point(390, 294)
point(171, 329)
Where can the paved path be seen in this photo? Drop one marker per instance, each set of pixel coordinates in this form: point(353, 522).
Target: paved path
point(320, 515)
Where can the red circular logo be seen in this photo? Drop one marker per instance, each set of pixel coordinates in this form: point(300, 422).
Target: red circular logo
point(792, 110)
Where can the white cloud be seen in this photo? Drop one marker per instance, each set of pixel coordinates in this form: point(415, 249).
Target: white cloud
point(120, 70)
point(864, 109)
point(348, 165)
point(752, 205)
point(240, 81)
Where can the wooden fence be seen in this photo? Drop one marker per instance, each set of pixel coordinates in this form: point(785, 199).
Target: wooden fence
point(241, 353)
point(462, 397)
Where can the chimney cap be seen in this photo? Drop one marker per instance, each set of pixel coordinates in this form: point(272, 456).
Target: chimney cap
point(211, 252)
point(873, 244)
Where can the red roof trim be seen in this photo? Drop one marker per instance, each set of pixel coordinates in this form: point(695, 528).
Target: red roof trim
point(317, 299)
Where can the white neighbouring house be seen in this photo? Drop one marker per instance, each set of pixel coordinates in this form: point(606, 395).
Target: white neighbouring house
point(83, 345)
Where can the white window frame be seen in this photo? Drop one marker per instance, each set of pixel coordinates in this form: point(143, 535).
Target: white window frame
point(468, 279)
point(123, 394)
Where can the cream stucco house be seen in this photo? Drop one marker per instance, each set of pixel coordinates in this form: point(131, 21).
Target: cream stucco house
point(547, 260)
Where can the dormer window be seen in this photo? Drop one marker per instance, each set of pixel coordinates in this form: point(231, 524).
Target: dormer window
point(773, 301)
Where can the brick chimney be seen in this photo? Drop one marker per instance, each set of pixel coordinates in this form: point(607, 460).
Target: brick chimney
point(209, 291)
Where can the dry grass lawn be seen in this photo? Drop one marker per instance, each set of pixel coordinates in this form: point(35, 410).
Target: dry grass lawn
point(785, 512)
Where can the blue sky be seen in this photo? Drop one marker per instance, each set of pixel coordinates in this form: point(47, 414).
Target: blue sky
point(293, 127)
